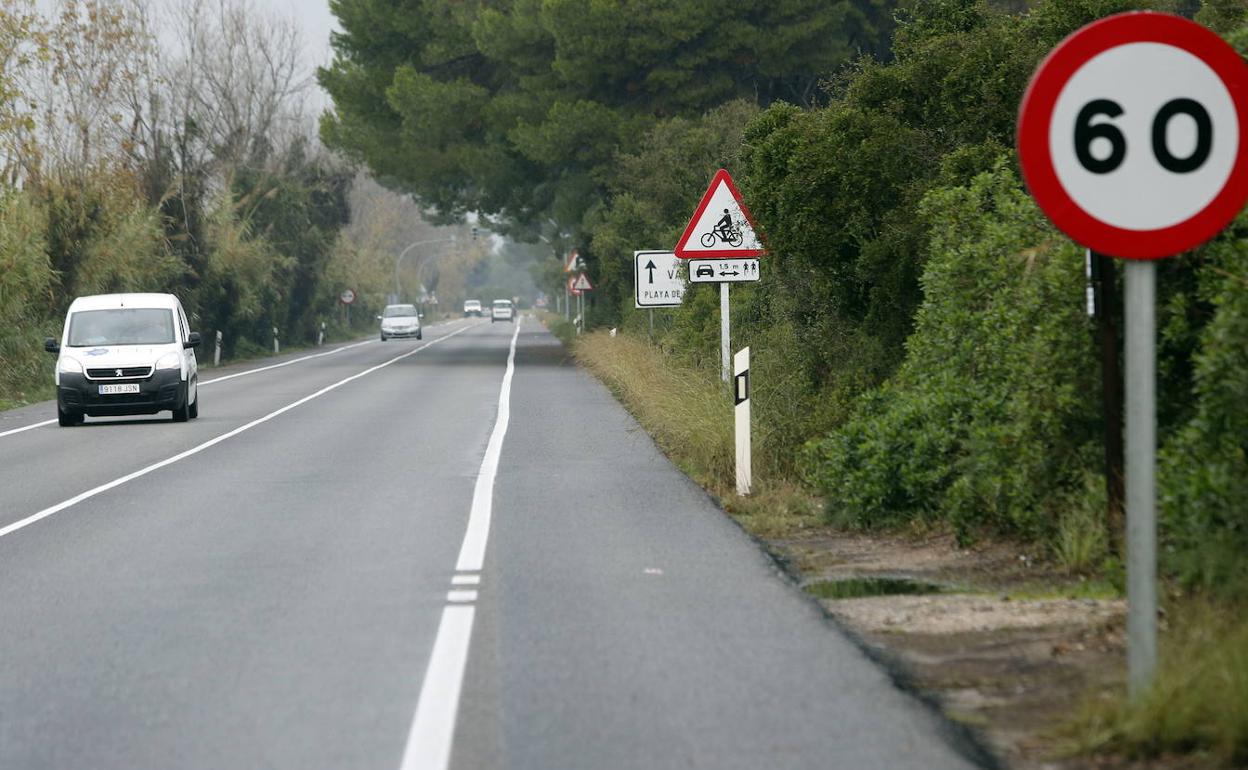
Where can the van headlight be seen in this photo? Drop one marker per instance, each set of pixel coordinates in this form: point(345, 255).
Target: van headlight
point(170, 360)
point(67, 365)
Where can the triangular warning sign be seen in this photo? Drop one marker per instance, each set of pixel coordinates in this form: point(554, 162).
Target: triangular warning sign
point(581, 283)
point(573, 261)
point(721, 226)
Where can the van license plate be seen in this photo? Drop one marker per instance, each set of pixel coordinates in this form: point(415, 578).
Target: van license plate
point(109, 390)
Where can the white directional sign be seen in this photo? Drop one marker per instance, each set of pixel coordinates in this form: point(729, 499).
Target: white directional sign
point(723, 270)
point(721, 226)
point(657, 279)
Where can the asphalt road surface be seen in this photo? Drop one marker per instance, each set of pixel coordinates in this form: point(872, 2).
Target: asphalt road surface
point(456, 552)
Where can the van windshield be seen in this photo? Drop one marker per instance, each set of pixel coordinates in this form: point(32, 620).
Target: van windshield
point(121, 326)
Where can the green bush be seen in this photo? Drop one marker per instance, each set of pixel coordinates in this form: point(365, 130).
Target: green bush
point(1203, 469)
point(989, 423)
point(26, 286)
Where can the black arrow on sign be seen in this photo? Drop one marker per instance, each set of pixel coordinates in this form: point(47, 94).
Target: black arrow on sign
point(650, 266)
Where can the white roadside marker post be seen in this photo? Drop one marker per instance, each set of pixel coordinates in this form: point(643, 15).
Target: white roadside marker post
point(216, 355)
point(741, 395)
point(276, 347)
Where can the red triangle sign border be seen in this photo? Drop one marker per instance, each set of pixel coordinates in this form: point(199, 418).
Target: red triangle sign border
point(723, 176)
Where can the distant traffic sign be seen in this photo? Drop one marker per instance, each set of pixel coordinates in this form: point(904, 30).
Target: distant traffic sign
point(657, 280)
point(573, 262)
point(723, 270)
point(721, 226)
point(1133, 135)
point(581, 283)
point(347, 296)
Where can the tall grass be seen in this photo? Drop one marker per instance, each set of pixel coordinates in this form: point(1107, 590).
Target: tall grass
point(689, 413)
point(686, 410)
point(1199, 702)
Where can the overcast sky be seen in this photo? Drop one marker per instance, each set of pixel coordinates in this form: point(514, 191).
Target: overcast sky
point(317, 22)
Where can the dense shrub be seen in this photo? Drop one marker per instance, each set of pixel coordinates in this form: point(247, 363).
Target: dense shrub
point(990, 421)
point(1204, 466)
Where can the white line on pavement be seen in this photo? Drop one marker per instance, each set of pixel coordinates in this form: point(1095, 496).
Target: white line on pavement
point(28, 427)
point(429, 742)
point(24, 428)
point(472, 552)
point(433, 726)
point(46, 512)
point(304, 358)
point(284, 363)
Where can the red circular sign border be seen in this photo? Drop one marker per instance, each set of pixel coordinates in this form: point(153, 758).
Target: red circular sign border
point(1036, 112)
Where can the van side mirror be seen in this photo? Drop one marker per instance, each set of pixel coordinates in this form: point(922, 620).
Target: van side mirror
point(192, 340)
point(51, 345)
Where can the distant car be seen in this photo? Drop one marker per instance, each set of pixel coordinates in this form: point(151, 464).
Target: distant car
point(705, 271)
point(472, 307)
point(502, 311)
point(125, 354)
point(400, 321)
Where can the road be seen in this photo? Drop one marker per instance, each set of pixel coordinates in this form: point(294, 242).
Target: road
point(451, 552)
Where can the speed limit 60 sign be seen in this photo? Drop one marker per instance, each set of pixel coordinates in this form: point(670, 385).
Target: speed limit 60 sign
point(1133, 135)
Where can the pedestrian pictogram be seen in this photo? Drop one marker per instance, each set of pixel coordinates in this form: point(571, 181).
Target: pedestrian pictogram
point(721, 225)
point(723, 270)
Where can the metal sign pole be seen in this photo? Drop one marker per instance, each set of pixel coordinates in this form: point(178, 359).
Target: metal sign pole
point(725, 357)
point(1141, 473)
point(741, 396)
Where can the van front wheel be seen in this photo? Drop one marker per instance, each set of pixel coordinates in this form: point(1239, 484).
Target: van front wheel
point(68, 419)
point(182, 413)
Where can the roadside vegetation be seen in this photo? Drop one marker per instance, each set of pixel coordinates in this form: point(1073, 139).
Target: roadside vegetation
point(921, 357)
point(921, 354)
point(151, 145)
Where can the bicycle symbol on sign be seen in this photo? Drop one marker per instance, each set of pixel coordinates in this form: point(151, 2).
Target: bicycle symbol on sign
point(725, 232)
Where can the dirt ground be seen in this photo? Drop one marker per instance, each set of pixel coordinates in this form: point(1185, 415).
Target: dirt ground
point(1007, 647)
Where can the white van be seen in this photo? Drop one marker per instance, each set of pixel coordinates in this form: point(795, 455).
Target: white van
point(125, 354)
point(502, 310)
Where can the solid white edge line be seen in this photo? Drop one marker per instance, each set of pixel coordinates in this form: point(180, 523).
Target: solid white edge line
point(472, 553)
point(26, 428)
point(433, 726)
point(46, 512)
point(429, 741)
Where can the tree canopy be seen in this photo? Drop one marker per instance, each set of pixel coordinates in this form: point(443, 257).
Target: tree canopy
point(519, 108)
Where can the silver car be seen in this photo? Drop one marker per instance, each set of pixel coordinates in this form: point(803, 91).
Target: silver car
point(399, 321)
